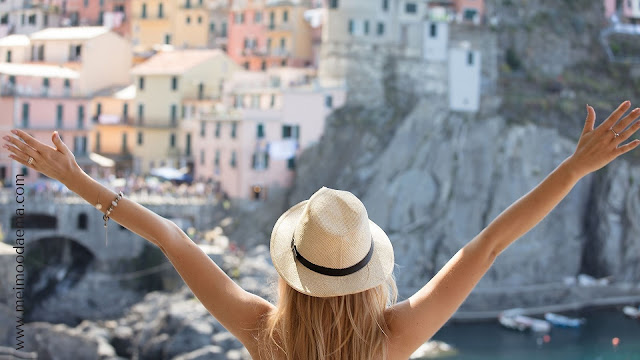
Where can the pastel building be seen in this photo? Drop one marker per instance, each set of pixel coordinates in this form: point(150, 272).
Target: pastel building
point(53, 91)
point(165, 85)
point(218, 24)
point(469, 10)
point(26, 17)
point(629, 9)
point(180, 23)
point(249, 143)
point(113, 14)
point(247, 38)
point(15, 49)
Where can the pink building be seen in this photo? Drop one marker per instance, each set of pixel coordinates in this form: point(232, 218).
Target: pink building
point(114, 14)
point(628, 9)
point(250, 142)
point(247, 34)
point(469, 10)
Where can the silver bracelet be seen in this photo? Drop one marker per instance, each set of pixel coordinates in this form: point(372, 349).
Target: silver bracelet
point(105, 217)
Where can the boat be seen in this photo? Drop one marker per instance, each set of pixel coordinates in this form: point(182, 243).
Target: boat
point(563, 321)
point(513, 319)
point(632, 312)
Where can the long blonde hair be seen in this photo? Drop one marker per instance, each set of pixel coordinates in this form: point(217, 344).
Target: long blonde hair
point(335, 328)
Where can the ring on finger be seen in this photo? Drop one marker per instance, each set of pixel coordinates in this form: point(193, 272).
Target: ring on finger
point(614, 132)
point(30, 161)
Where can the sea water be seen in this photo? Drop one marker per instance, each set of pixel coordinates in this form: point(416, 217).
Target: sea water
point(593, 341)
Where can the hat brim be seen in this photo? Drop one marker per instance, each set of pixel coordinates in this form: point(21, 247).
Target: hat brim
point(311, 283)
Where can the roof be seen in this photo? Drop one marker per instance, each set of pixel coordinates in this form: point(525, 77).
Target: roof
point(37, 70)
point(174, 62)
point(15, 40)
point(70, 33)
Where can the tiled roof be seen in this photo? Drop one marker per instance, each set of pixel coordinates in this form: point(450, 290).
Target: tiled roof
point(174, 62)
point(70, 33)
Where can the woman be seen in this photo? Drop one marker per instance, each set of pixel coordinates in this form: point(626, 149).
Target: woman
point(337, 295)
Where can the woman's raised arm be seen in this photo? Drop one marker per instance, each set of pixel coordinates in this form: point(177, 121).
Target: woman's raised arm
point(418, 318)
point(236, 309)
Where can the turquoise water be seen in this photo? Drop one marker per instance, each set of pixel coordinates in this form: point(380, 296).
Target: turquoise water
point(489, 341)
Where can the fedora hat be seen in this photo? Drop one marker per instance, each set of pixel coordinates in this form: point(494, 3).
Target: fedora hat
point(327, 246)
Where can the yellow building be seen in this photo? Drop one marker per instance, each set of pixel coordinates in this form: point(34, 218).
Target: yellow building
point(166, 87)
point(114, 134)
point(288, 33)
point(181, 23)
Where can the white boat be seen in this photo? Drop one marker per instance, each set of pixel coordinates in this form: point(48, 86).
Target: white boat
point(513, 319)
point(563, 321)
point(632, 312)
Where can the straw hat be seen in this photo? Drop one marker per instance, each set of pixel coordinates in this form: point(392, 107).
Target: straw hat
point(327, 246)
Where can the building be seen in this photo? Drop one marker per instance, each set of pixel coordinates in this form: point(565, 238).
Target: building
point(270, 33)
point(15, 49)
point(53, 90)
point(625, 9)
point(113, 14)
point(469, 11)
point(26, 17)
point(166, 84)
point(218, 24)
point(464, 78)
point(114, 132)
point(250, 141)
point(180, 23)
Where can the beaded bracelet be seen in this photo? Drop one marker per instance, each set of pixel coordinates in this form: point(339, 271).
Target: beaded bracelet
point(105, 217)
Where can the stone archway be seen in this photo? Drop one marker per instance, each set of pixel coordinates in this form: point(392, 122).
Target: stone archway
point(53, 265)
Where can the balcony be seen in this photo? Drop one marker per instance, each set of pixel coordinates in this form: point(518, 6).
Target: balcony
point(288, 26)
point(112, 120)
point(39, 92)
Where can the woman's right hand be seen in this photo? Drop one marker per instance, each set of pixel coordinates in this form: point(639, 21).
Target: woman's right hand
point(58, 163)
point(598, 147)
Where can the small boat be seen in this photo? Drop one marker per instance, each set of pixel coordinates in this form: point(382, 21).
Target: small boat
point(563, 321)
point(513, 319)
point(632, 312)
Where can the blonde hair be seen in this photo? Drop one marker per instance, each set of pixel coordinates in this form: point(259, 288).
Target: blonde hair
point(334, 328)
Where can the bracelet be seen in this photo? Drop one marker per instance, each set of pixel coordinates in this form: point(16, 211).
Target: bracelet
point(105, 217)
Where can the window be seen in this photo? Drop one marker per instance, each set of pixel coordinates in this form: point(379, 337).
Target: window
point(199, 19)
point(67, 84)
point(283, 43)
point(45, 84)
point(80, 116)
point(144, 11)
point(263, 65)
point(380, 28)
point(167, 39)
point(284, 63)
point(188, 145)
point(141, 83)
point(223, 32)
point(82, 221)
point(98, 109)
point(172, 140)
point(174, 114)
point(257, 17)
point(98, 141)
point(433, 30)
point(161, 10)
point(366, 27)
point(217, 131)
point(233, 159)
point(174, 83)
point(139, 137)
point(255, 101)
point(216, 160)
point(410, 8)
point(291, 163)
point(188, 19)
point(272, 20)
point(269, 44)
point(8, 56)
point(12, 80)
point(140, 114)
point(203, 126)
point(125, 112)
point(385, 5)
point(260, 131)
point(246, 65)
point(124, 143)
point(25, 115)
point(234, 128)
point(25, 171)
point(59, 113)
point(287, 131)
point(470, 58)
point(239, 18)
point(285, 16)
point(333, 4)
point(260, 161)
point(328, 101)
point(201, 157)
point(212, 27)
point(352, 26)
point(272, 101)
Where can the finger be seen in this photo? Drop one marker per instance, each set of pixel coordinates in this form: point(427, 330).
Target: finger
point(22, 146)
point(62, 147)
point(590, 121)
point(630, 131)
point(622, 124)
point(21, 161)
point(615, 115)
point(30, 140)
point(628, 147)
point(19, 153)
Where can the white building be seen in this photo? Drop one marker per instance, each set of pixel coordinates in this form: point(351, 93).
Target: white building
point(464, 79)
point(26, 17)
point(436, 40)
point(15, 49)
